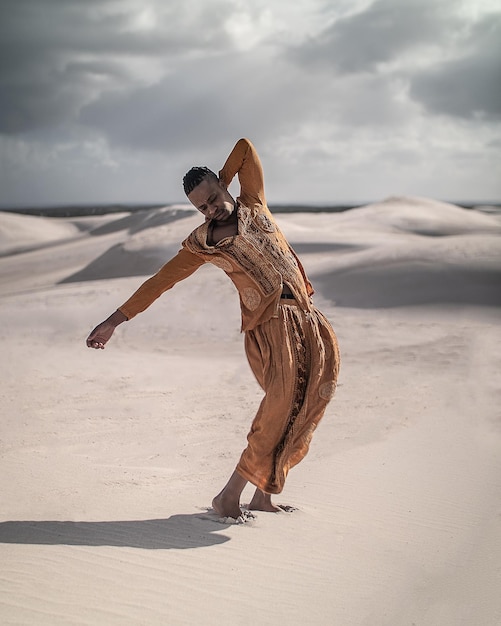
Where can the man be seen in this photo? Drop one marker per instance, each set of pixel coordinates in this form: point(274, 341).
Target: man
point(290, 346)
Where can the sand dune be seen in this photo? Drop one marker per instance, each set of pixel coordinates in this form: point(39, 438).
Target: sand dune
point(109, 459)
point(19, 233)
point(404, 252)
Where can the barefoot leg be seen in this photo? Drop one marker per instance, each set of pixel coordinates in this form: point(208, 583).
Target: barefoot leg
point(261, 501)
point(227, 501)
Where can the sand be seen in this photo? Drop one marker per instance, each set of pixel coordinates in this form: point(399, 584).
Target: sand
point(109, 459)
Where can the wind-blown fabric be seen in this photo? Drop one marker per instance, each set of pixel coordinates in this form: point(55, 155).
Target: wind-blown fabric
point(295, 359)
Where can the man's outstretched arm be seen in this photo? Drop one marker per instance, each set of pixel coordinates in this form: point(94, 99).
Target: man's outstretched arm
point(178, 268)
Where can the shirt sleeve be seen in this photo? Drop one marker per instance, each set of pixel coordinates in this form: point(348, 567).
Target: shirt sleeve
point(244, 161)
point(178, 268)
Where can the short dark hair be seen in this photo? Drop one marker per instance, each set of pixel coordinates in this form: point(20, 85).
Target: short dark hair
point(195, 176)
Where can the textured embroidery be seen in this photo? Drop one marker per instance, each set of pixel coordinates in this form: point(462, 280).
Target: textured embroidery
point(251, 298)
point(292, 259)
point(222, 263)
point(197, 241)
point(302, 359)
point(326, 391)
point(270, 248)
point(265, 223)
point(252, 262)
point(257, 250)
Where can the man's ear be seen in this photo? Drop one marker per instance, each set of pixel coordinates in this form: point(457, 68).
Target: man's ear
point(222, 184)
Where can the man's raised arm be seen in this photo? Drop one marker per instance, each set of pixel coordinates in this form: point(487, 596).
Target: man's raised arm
point(244, 161)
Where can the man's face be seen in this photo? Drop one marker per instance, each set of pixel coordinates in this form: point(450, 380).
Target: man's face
point(212, 199)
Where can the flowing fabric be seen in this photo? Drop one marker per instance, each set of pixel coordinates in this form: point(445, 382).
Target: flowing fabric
point(295, 359)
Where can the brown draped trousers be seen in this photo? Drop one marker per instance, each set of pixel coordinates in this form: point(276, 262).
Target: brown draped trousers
point(295, 359)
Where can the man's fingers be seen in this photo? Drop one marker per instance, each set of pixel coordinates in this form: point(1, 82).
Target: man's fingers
point(95, 343)
point(100, 335)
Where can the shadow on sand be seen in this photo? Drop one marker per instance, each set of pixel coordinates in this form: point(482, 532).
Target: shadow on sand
point(177, 531)
point(412, 283)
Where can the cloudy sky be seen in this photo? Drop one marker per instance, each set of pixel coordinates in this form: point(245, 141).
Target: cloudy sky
point(346, 100)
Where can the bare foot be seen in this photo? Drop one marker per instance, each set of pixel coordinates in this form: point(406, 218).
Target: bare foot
point(227, 502)
point(262, 502)
point(226, 507)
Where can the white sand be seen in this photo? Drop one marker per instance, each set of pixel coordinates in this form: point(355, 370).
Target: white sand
point(110, 458)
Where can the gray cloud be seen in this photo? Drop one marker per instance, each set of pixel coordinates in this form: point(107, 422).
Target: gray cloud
point(469, 86)
point(55, 56)
point(116, 98)
point(204, 102)
point(378, 34)
point(180, 109)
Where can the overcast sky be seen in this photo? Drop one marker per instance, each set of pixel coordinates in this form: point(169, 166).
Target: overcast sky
point(345, 100)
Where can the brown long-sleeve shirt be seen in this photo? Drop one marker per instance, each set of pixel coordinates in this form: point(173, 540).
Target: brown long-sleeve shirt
point(258, 259)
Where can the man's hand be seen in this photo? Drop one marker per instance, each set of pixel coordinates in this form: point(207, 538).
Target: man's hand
point(102, 333)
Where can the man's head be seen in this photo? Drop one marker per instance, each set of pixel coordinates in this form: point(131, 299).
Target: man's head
point(208, 194)
point(195, 176)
